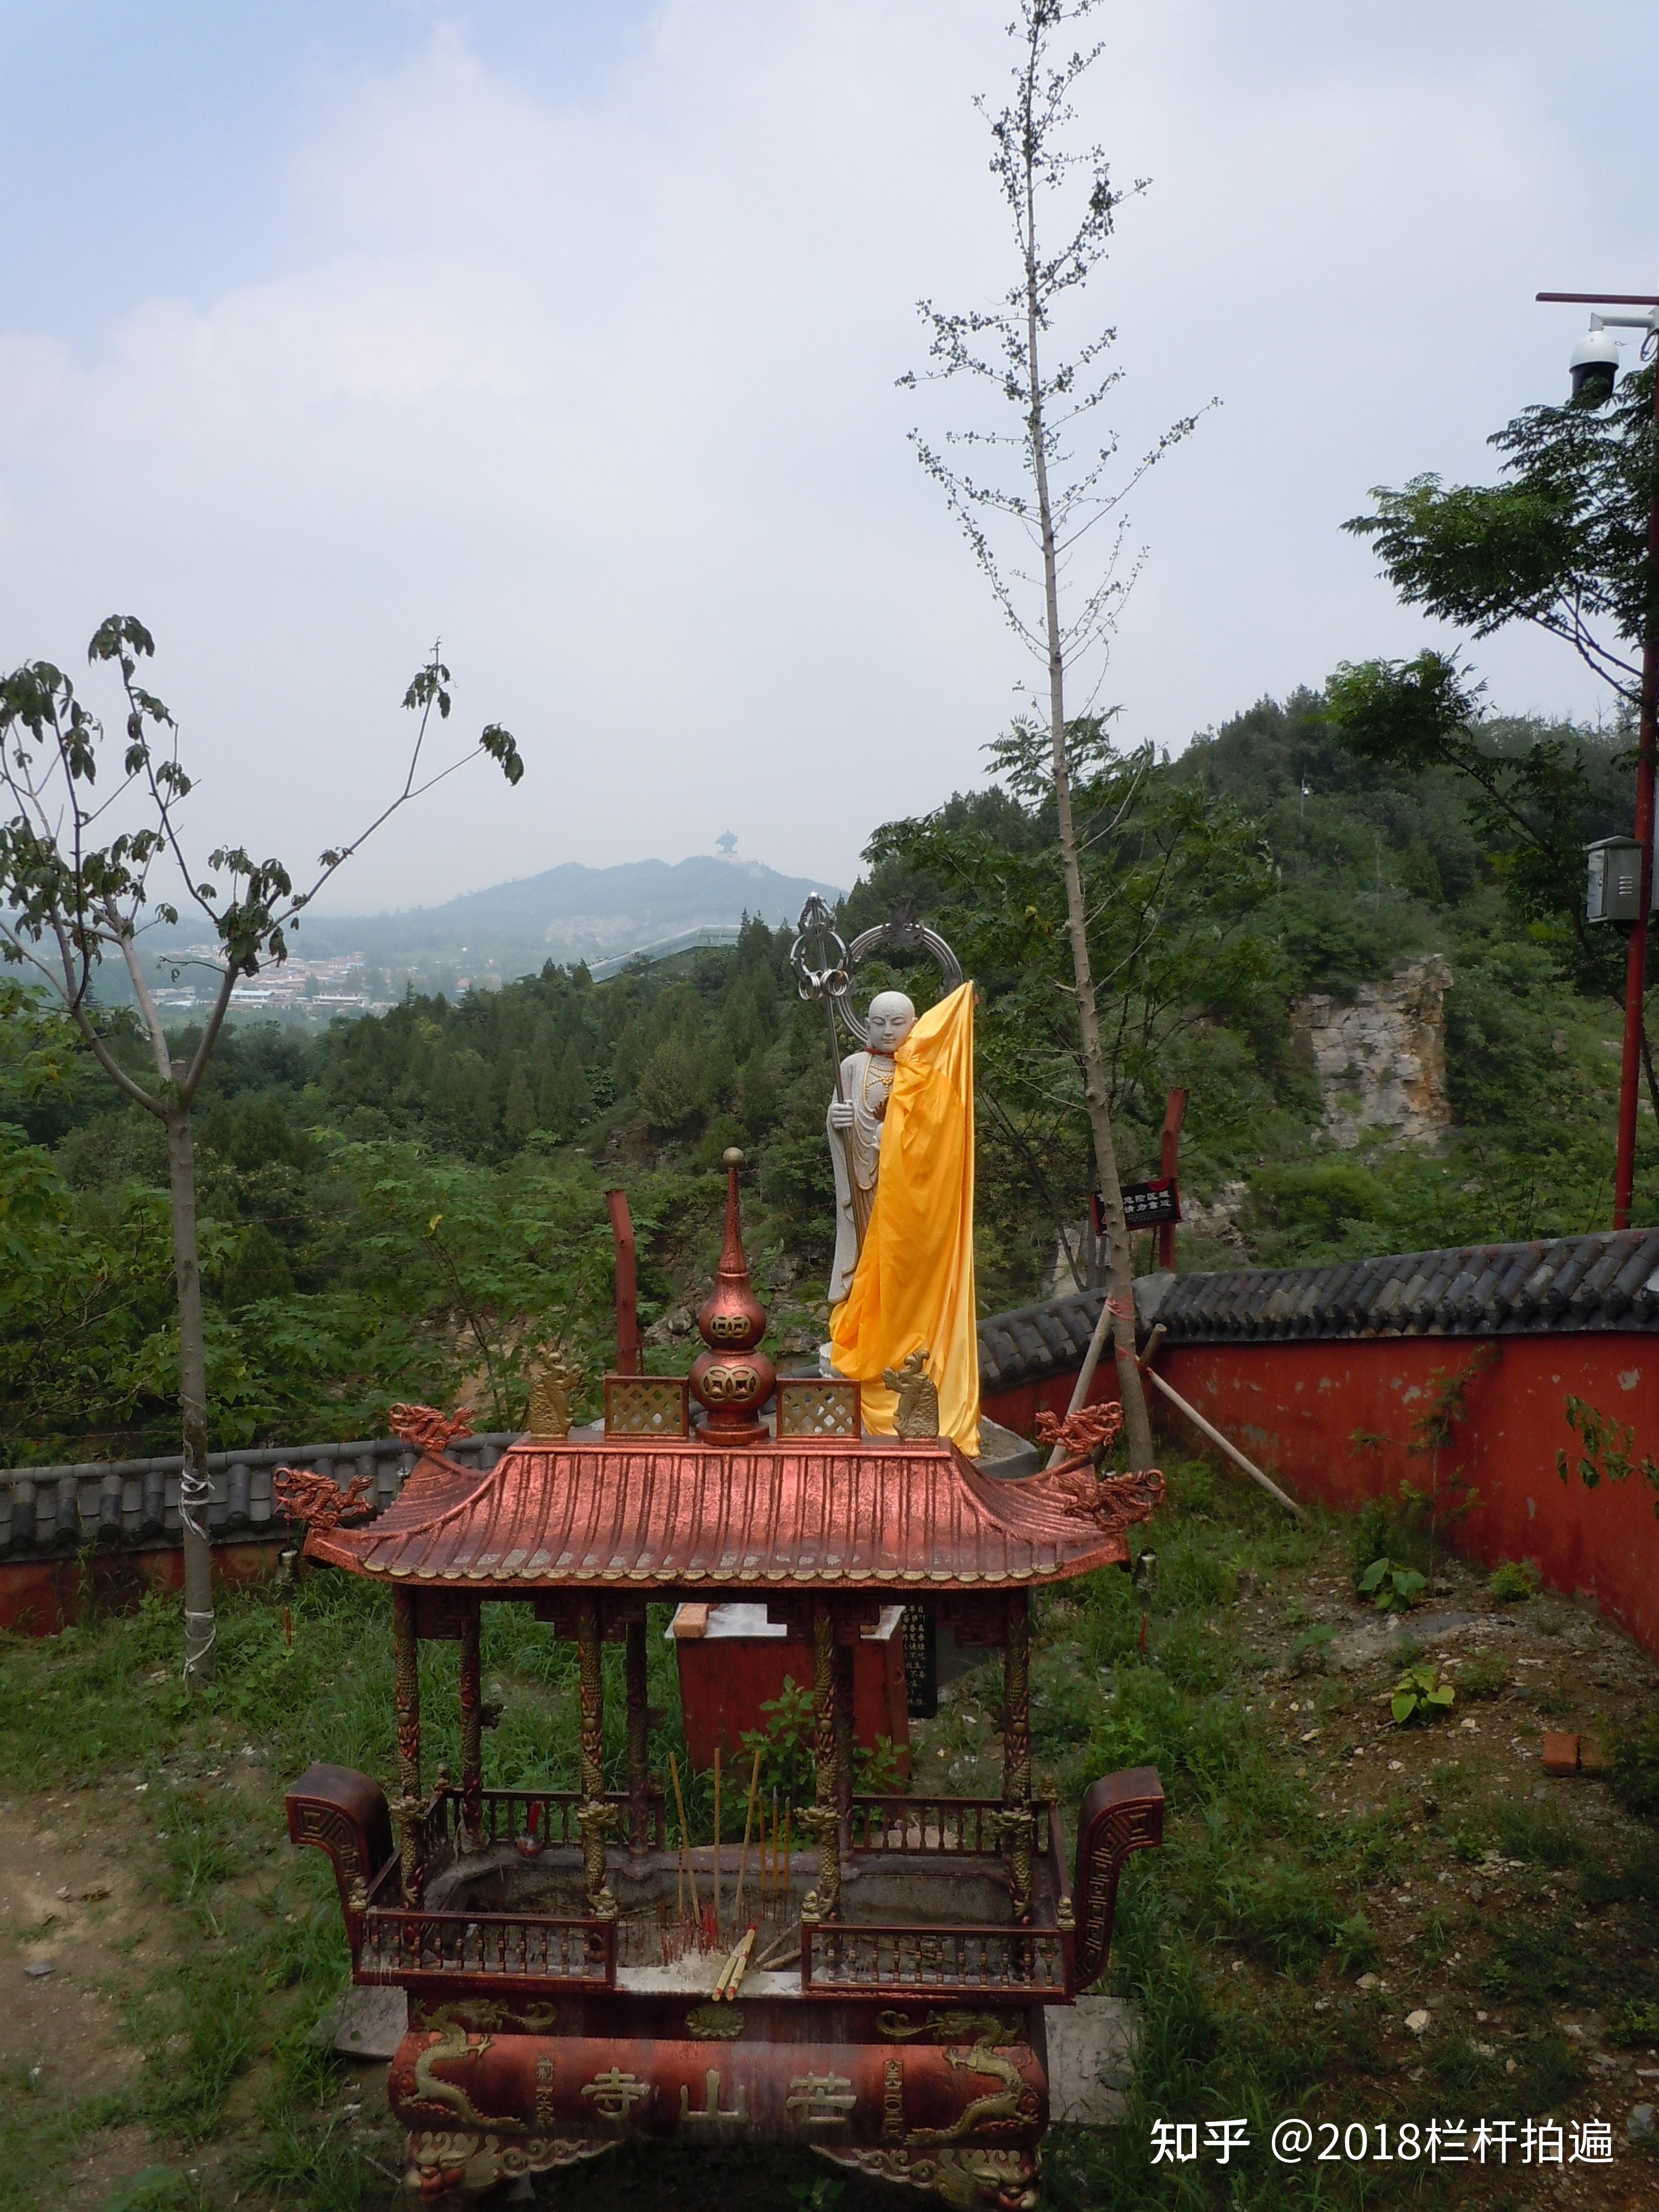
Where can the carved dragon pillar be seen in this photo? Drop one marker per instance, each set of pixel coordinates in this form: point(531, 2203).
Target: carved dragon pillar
point(822, 1819)
point(593, 1815)
point(406, 1676)
point(1018, 1821)
point(471, 1731)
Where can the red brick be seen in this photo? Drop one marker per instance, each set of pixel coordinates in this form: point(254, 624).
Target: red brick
point(1560, 1754)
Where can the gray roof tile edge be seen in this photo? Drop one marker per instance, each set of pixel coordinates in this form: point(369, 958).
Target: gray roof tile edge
point(1601, 1280)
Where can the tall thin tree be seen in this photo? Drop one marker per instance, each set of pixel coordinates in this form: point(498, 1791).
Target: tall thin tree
point(68, 903)
point(1049, 498)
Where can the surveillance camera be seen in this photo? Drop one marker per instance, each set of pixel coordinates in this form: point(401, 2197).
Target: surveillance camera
point(1594, 364)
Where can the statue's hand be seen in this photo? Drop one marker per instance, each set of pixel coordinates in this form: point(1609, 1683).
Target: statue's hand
point(841, 1114)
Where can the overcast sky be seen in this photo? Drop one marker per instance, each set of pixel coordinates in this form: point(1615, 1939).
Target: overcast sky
point(571, 332)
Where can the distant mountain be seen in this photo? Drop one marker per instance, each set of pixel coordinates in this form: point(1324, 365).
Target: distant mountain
point(567, 914)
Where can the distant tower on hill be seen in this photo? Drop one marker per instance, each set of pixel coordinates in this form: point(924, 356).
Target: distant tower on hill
point(726, 845)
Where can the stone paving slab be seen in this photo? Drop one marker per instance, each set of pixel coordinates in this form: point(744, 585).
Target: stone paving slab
point(1090, 2059)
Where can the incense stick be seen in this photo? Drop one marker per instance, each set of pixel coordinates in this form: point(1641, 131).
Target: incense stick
point(717, 1840)
point(748, 1827)
point(778, 1950)
point(685, 1839)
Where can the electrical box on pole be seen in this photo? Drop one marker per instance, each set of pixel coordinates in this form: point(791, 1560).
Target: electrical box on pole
point(1613, 885)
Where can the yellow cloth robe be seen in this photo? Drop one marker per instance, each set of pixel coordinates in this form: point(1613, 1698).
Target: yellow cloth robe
point(915, 1280)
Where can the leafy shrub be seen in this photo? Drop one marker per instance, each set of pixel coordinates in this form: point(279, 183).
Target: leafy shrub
point(1391, 1587)
point(786, 1744)
point(1514, 1581)
point(1421, 1693)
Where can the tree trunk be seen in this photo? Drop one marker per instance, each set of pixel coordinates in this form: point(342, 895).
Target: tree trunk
point(1120, 1256)
point(193, 1485)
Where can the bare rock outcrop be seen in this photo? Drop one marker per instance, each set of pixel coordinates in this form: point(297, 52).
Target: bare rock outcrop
point(1381, 1061)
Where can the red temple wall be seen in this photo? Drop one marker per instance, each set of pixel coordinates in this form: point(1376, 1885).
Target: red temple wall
point(40, 1596)
point(1294, 1408)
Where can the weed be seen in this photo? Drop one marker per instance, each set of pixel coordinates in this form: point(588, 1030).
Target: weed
point(157, 2189)
point(1636, 1770)
point(1484, 1676)
point(1512, 1582)
point(1391, 1587)
point(1458, 2070)
point(1552, 2071)
point(1637, 2024)
point(1632, 1878)
point(1533, 1965)
point(1286, 1914)
point(1354, 1941)
point(1312, 1650)
point(1419, 1694)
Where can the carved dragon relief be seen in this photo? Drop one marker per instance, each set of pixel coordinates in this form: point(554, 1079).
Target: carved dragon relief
point(453, 2042)
point(445, 2164)
point(967, 2180)
point(1080, 1485)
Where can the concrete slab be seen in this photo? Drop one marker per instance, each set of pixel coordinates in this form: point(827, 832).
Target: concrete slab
point(368, 2023)
point(1091, 2060)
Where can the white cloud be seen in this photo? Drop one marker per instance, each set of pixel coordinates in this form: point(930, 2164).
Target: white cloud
point(603, 389)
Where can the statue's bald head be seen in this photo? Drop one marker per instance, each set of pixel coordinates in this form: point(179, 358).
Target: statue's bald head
point(890, 1020)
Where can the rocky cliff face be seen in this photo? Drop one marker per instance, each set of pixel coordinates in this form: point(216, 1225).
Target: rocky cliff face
point(1382, 1061)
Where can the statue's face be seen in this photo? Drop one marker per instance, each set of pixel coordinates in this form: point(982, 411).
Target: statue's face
point(890, 1019)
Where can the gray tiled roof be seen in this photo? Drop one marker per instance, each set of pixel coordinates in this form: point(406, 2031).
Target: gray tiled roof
point(1605, 1280)
point(135, 1501)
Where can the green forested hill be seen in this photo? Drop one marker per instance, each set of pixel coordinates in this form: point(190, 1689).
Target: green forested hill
point(401, 1206)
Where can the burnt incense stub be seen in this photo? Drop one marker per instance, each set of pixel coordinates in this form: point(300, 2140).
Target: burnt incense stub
point(734, 1378)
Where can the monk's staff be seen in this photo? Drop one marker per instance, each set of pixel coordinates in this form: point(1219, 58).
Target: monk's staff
point(817, 923)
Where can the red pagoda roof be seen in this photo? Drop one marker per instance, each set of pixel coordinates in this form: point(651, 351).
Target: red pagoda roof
point(591, 1512)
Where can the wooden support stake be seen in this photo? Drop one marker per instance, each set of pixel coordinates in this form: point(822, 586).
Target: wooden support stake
point(1208, 1429)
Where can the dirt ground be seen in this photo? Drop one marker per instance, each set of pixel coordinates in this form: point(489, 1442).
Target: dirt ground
point(72, 1922)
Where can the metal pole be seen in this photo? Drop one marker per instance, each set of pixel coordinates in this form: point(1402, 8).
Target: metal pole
point(1636, 959)
point(1636, 968)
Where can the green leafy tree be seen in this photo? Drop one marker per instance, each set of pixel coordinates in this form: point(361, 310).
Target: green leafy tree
point(1171, 876)
point(1028, 493)
point(68, 901)
point(1562, 545)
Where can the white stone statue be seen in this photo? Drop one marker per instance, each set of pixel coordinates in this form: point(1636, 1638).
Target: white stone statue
point(854, 1122)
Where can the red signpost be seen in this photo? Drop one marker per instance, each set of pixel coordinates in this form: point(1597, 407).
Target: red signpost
point(627, 1318)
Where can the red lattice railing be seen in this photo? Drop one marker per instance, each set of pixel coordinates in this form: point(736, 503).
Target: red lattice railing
point(962, 1828)
point(839, 1959)
point(504, 1815)
point(414, 1947)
